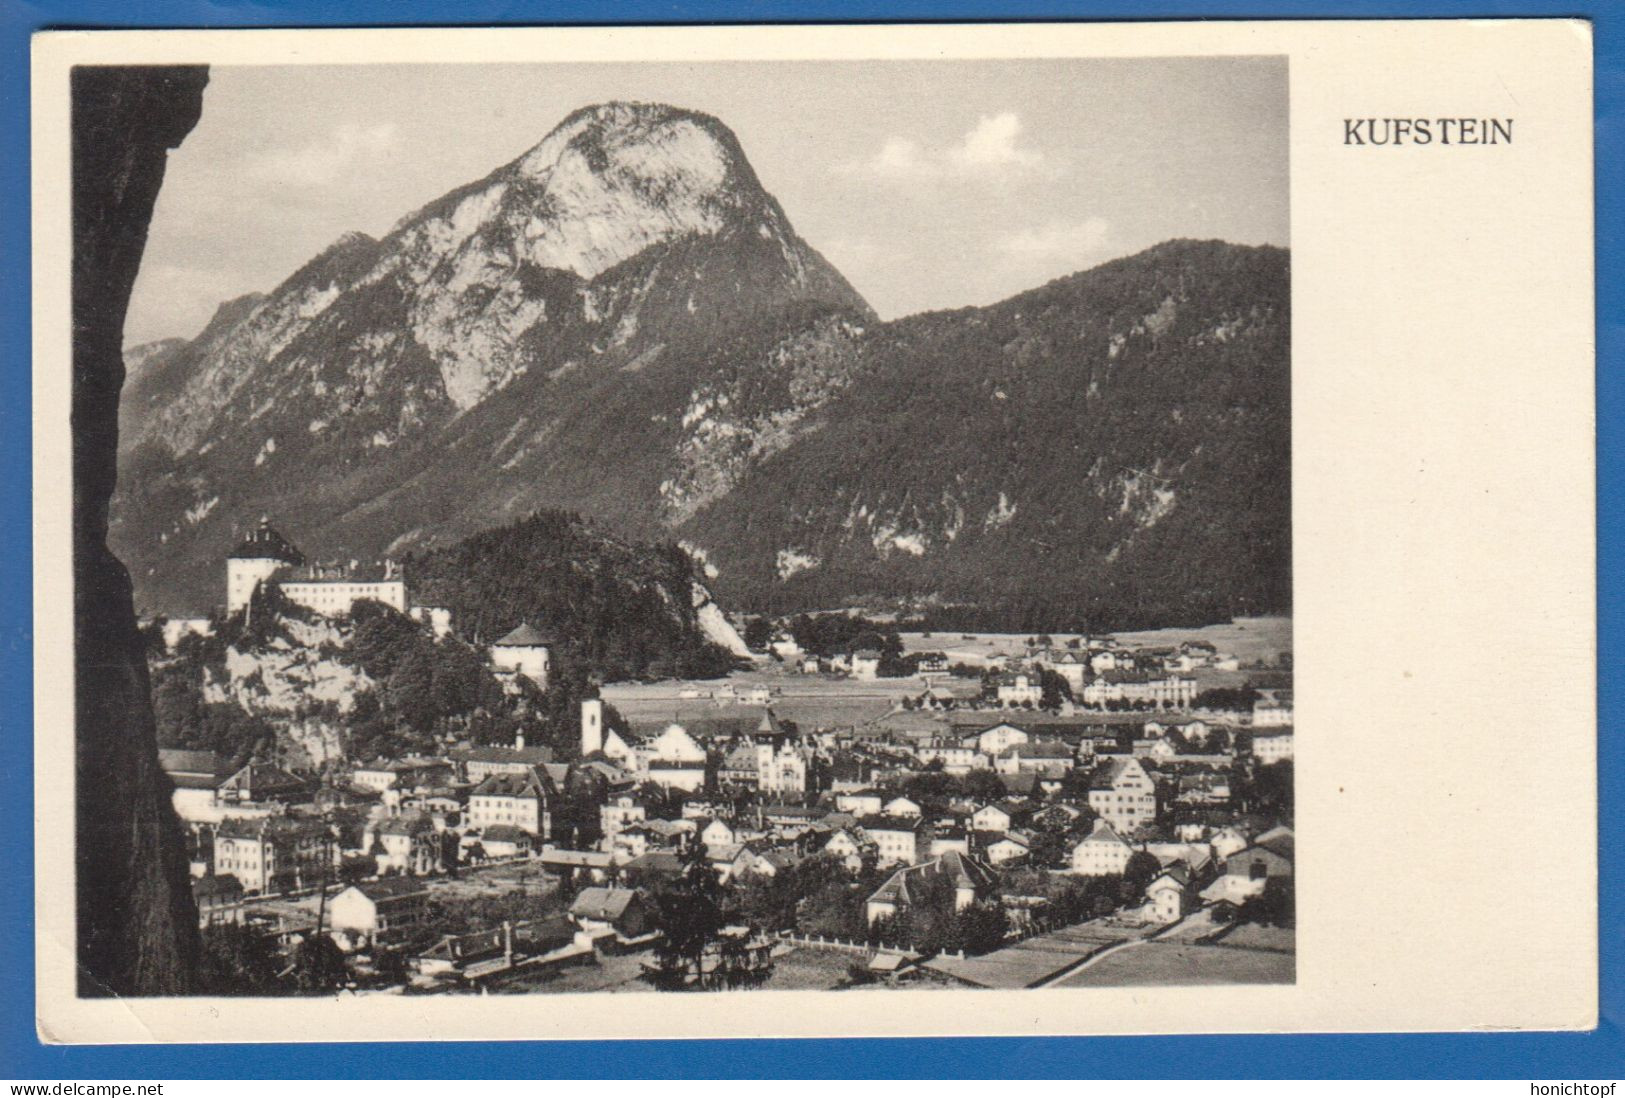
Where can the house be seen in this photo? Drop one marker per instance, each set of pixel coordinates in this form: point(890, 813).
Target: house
point(479, 763)
point(1248, 871)
point(506, 841)
point(972, 879)
point(1122, 793)
point(739, 768)
point(1171, 692)
point(1001, 816)
point(219, 899)
point(1040, 758)
point(999, 738)
point(592, 865)
point(718, 832)
point(274, 854)
point(1274, 746)
point(623, 910)
point(945, 839)
point(408, 844)
point(1273, 709)
point(860, 802)
point(517, 799)
point(902, 808)
point(618, 813)
point(1227, 841)
point(195, 775)
point(1103, 853)
point(673, 760)
point(259, 783)
point(784, 646)
point(1019, 689)
point(523, 651)
point(763, 863)
point(1007, 849)
point(845, 845)
point(381, 911)
point(895, 840)
point(932, 663)
point(455, 952)
point(1171, 895)
point(783, 770)
point(866, 665)
point(401, 774)
point(956, 758)
point(656, 865)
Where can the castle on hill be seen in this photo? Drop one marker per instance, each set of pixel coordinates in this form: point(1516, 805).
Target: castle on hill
point(265, 556)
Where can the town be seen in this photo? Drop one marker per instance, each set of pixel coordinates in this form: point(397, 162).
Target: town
point(853, 807)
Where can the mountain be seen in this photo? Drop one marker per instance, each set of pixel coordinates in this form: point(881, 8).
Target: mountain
point(1112, 448)
point(510, 346)
point(622, 323)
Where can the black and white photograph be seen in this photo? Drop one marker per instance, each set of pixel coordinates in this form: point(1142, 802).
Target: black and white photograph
point(643, 528)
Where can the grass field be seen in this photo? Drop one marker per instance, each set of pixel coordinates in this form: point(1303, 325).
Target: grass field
point(1176, 964)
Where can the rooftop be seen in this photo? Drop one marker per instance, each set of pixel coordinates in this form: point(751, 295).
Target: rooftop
point(524, 637)
point(264, 543)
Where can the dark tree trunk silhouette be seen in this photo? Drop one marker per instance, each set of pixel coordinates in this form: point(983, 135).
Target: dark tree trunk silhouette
point(137, 927)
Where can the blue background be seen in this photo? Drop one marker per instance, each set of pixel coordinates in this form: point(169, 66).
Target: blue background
point(1596, 1055)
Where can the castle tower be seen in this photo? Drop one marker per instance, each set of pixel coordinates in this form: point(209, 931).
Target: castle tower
point(592, 726)
point(257, 558)
point(523, 652)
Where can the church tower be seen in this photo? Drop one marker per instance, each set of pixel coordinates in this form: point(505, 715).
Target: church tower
point(592, 726)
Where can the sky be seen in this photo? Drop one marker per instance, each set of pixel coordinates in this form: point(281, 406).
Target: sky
point(928, 184)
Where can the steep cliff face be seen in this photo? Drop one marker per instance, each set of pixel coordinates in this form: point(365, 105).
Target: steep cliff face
point(137, 928)
point(452, 368)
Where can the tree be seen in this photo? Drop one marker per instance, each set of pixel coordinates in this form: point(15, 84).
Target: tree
point(318, 965)
point(1139, 871)
point(689, 917)
point(758, 634)
point(1275, 906)
point(983, 785)
point(1056, 689)
point(983, 927)
point(239, 960)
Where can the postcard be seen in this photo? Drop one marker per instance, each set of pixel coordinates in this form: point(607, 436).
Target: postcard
point(814, 531)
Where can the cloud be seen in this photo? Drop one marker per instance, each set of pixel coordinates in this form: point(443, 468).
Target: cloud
point(1076, 241)
point(989, 148)
point(325, 161)
point(992, 145)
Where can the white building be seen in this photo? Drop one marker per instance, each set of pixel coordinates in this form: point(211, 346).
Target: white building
point(524, 651)
point(1123, 795)
point(1172, 692)
point(265, 556)
point(1273, 747)
point(673, 760)
point(1020, 689)
point(866, 665)
point(517, 800)
point(1273, 710)
point(1103, 853)
point(261, 555)
point(995, 741)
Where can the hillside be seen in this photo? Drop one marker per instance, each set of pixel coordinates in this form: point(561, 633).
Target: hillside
point(618, 610)
point(1112, 448)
